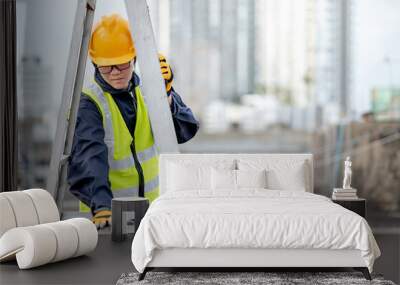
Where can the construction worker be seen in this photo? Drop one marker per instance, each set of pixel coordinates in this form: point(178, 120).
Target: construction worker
point(113, 153)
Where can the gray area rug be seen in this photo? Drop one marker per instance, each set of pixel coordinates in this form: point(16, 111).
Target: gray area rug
point(225, 278)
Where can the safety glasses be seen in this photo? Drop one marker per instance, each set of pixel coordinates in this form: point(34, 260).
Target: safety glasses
point(108, 68)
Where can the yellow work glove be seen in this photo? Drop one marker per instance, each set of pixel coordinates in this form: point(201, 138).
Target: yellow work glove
point(102, 219)
point(166, 72)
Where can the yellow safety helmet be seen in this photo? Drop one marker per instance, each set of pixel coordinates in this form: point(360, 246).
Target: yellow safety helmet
point(111, 42)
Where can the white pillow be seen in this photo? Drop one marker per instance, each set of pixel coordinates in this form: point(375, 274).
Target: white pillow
point(223, 179)
point(182, 177)
point(193, 174)
point(292, 178)
point(281, 174)
point(251, 178)
point(228, 179)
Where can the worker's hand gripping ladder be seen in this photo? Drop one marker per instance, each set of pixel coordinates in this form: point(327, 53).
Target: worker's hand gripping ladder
point(153, 89)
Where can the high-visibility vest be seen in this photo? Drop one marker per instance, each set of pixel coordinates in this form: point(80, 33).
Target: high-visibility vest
point(123, 174)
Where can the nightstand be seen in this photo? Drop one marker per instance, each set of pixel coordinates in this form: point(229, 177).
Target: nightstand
point(358, 206)
point(127, 213)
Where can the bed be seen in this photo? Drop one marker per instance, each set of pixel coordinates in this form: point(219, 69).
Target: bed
point(247, 210)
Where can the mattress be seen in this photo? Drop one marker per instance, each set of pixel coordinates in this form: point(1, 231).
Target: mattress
point(250, 218)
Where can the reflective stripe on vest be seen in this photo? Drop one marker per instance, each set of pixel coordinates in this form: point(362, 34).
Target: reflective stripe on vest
point(152, 184)
point(123, 175)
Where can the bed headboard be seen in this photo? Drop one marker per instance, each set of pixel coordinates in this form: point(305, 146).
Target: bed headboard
point(212, 159)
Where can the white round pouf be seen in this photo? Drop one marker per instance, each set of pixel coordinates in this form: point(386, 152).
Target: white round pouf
point(26, 208)
point(66, 238)
point(40, 244)
point(45, 205)
point(32, 246)
point(31, 232)
point(7, 218)
point(23, 208)
point(87, 234)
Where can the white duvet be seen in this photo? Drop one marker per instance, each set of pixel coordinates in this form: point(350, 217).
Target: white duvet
point(252, 218)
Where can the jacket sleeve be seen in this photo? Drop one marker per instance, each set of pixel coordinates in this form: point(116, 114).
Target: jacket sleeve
point(186, 125)
point(88, 165)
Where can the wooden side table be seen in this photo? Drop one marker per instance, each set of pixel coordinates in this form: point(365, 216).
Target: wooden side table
point(127, 213)
point(358, 206)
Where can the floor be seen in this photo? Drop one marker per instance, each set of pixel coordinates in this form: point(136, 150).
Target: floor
point(103, 266)
point(110, 259)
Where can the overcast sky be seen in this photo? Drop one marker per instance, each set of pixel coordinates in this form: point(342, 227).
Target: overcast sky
point(376, 35)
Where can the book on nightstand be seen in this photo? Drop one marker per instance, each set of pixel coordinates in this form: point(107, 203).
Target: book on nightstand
point(344, 194)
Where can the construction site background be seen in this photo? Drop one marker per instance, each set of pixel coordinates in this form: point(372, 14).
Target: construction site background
point(262, 76)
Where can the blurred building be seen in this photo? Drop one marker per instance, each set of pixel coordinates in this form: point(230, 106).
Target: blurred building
point(285, 35)
point(297, 51)
point(334, 27)
point(211, 46)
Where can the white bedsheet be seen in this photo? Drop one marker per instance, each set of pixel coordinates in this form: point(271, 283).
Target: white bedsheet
point(251, 218)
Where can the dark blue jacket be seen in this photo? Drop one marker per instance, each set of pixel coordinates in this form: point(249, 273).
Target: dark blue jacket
point(88, 165)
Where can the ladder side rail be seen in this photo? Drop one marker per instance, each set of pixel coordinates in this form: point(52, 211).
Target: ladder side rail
point(153, 88)
point(57, 182)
